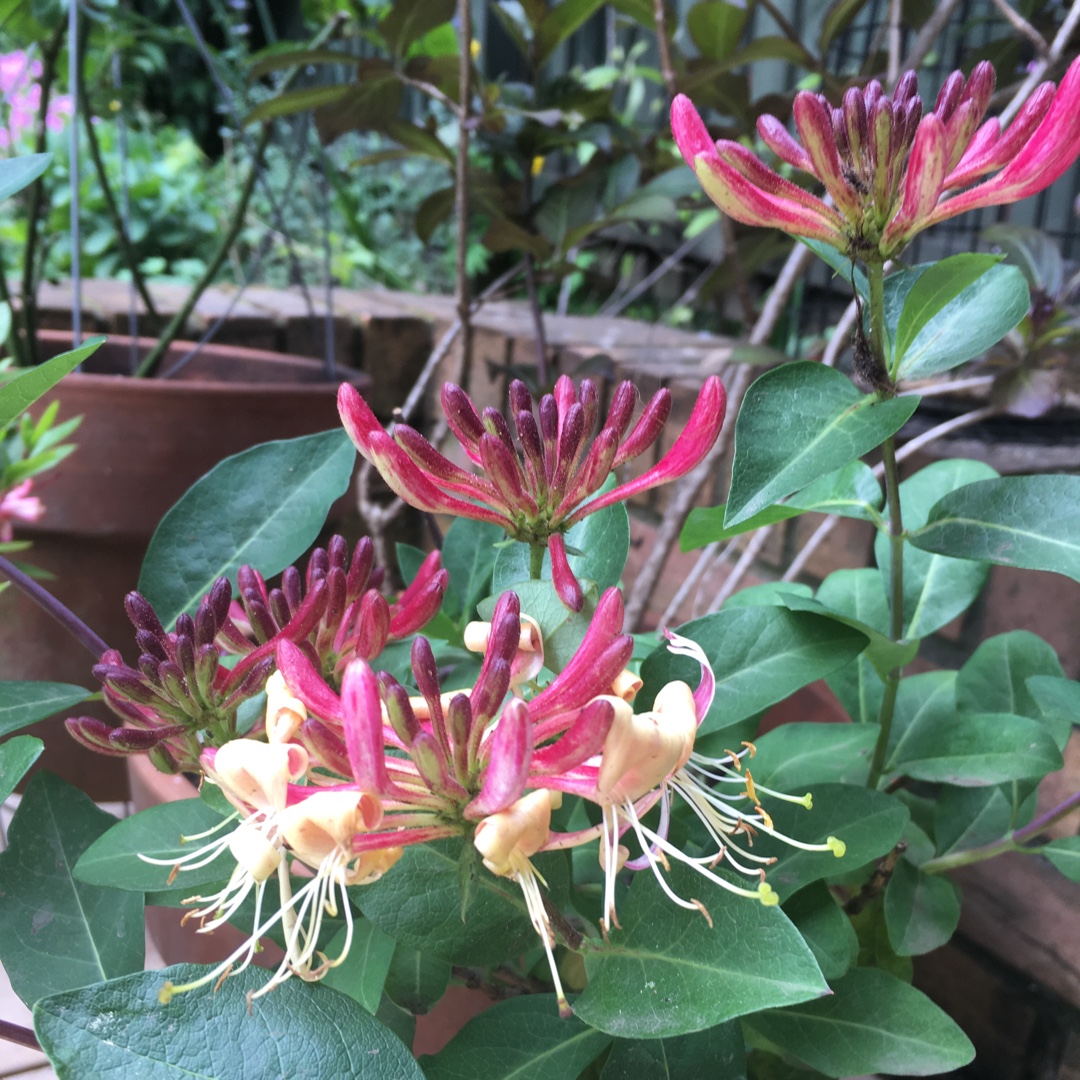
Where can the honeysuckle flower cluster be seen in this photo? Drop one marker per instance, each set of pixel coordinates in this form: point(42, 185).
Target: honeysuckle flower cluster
point(180, 697)
point(20, 86)
point(349, 780)
point(544, 483)
point(891, 168)
point(18, 504)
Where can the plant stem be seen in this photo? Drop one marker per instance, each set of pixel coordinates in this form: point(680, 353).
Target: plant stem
point(1012, 842)
point(875, 276)
point(461, 186)
point(47, 602)
point(14, 1033)
point(536, 560)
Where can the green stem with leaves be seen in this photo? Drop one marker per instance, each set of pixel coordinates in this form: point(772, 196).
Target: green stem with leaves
point(875, 276)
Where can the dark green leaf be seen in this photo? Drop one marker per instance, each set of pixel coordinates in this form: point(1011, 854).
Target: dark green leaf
point(560, 22)
point(767, 594)
point(849, 492)
point(922, 703)
point(420, 904)
point(20, 172)
point(868, 822)
point(872, 1022)
point(716, 1052)
point(1036, 253)
point(1058, 700)
point(362, 974)
point(825, 928)
point(521, 1038)
point(921, 910)
point(120, 1028)
point(416, 980)
point(667, 972)
point(995, 678)
point(1027, 521)
point(937, 285)
point(797, 755)
point(969, 324)
point(966, 818)
point(759, 656)
point(407, 22)
point(57, 933)
point(846, 268)
point(263, 506)
point(468, 555)
point(113, 859)
point(296, 101)
point(936, 588)
point(16, 757)
point(1065, 855)
point(858, 593)
point(23, 703)
point(19, 393)
point(715, 27)
point(800, 422)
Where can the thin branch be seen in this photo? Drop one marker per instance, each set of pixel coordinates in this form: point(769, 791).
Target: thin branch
point(49, 604)
point(711, 554)
point(461, 183)
point(667, 70)
point(1042, 65)
point(745, 561)
point(1021, 24)
point(893, 73)
point(618, 304)
point(685, 491)
point(539, 337)
point(431, 90)
point(937, 389)
point(841, 335)
point(10, 1032)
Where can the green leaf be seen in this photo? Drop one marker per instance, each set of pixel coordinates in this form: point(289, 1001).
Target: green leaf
point(936, 286)
point(1065, 855)
point(868, 822)
point(23, 703)
point(977, 749)
point(263, 506)
point(852, 491)
point(838, 17)
point(1058, 700)
point(715, 27)
point(860, 594)
point(1036, 254)
point(405, 23)
point(120, 1028)
point(799, 755)
point(979, 317)
point(560, 22)
point(1027, 521)
point(995, 678)
point(420, 905)
point(521, 1038)
point(717, 1051)
point(113, 859)
point(20, 172)
point(19, 393)
point(362, 974)
point(966, 818)
point(16, 757)
point(936, 588)
point(800, 422)
point(759, 656)
point(767, 594)
point(825, 928)
point(921, 910)
point(872, 1022)
point(846, 268)
point(667, 972)
point(922, 703)
point(416, 980)
point(57, 933)
point(468, 555)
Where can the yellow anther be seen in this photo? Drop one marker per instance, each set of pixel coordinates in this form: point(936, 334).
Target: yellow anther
point(751, 747)
point(537, 166)
point(703, 909)
point(751, 792)
point(837, 847)
point(735, 762)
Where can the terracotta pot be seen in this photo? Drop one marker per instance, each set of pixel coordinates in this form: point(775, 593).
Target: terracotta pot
point(142, 443)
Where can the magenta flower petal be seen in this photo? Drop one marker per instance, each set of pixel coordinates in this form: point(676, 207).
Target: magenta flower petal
point(307, 684)
point(509, 756)
point(562, 577)
point(361, 707)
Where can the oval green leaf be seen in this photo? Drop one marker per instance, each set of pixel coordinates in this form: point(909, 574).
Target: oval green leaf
point(23, 703)
point(263, 506)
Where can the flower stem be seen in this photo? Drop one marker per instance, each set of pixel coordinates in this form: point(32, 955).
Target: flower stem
point(47, 602)
point(1012, 842)
point(536, 560)
point(875, 276)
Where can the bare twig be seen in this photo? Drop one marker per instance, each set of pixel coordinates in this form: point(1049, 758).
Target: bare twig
point(894, 42)
point(539, 336)
point(937, 389)
point(1042, 65)
point(664, 48)
point(745, 561)
point(1021, 24)
point(431, 90)
point(685, 491)
point(461, 183)
point(710, 554)
point(618, 304)
point(841, 335)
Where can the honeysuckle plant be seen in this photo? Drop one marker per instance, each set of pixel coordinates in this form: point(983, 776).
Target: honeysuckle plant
point(485, 779)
